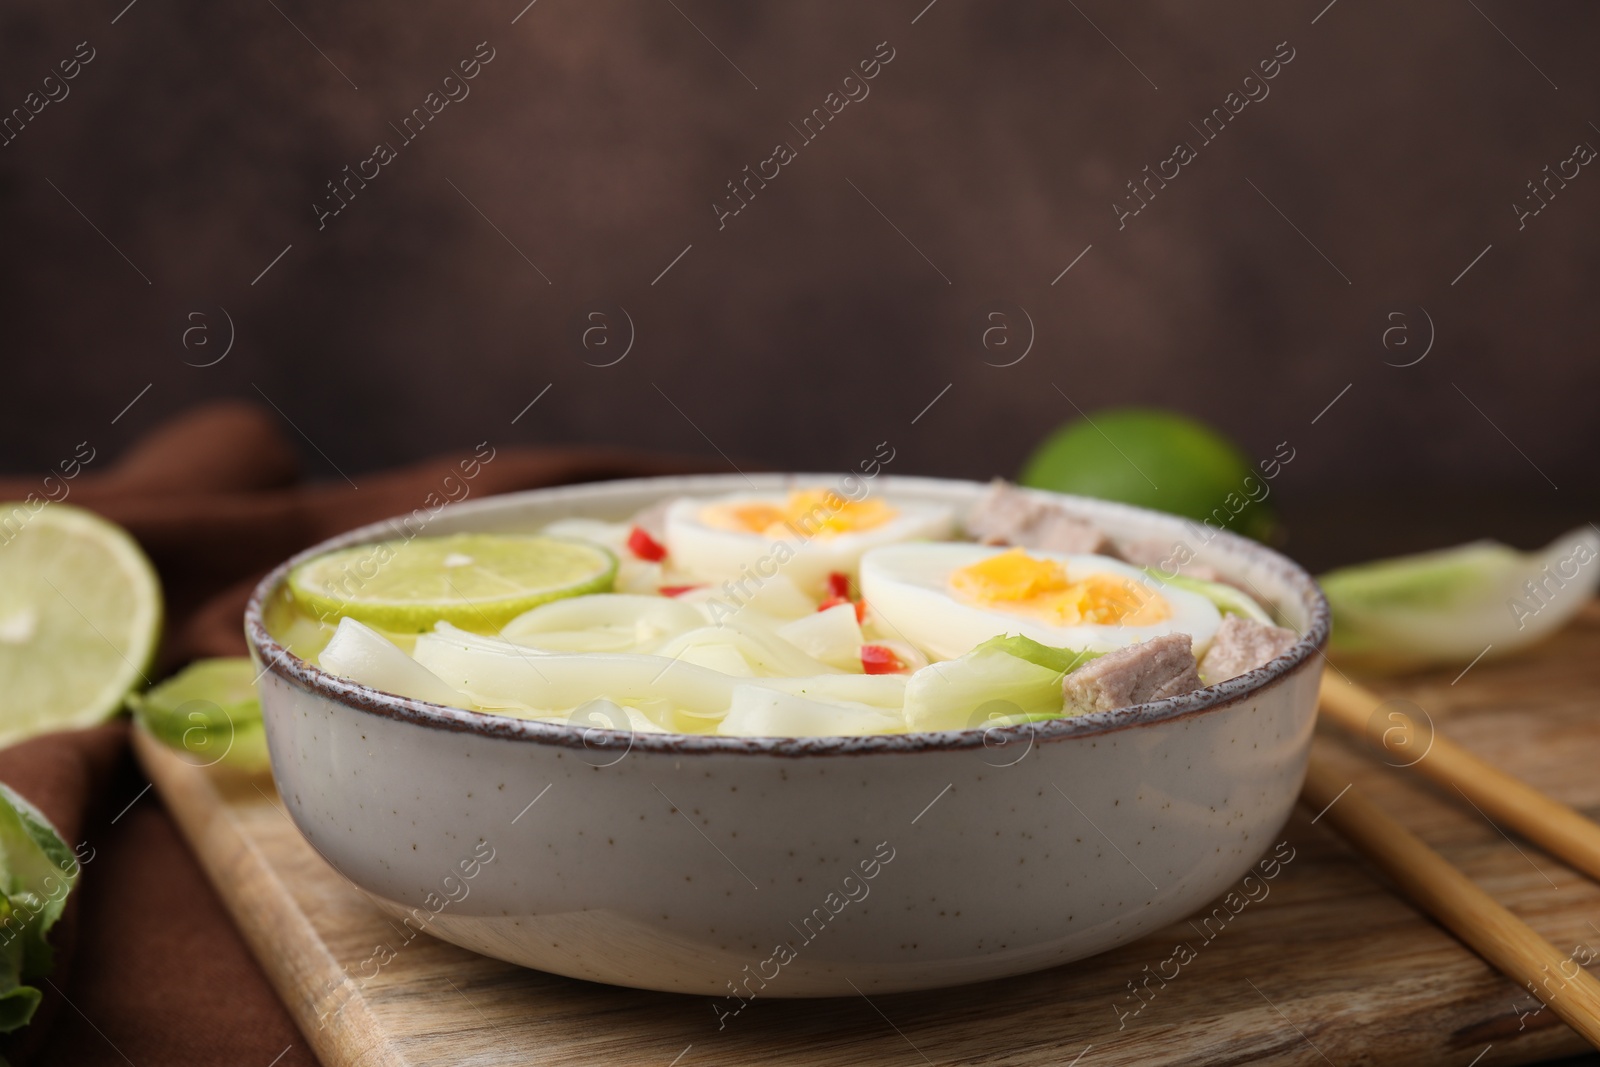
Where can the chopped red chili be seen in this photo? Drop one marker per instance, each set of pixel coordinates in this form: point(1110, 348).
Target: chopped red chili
point(641, 544)
point(876, 659)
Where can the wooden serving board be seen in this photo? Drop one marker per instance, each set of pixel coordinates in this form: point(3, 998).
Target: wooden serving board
point(1329, 967)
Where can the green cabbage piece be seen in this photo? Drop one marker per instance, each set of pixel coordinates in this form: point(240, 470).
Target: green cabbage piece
point(210, 712)
point(1004, 681)
point(1060, 660)
point(1229, 601)
point(37, 872)
point(1457, 604)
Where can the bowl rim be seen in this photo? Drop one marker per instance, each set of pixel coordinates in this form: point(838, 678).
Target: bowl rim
point(271, 656)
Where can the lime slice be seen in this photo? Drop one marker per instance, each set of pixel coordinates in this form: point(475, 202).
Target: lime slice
point(209, 712)
point(474, 581)
point(80, 616)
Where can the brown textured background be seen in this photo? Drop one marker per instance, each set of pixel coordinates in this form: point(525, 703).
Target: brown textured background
point(808, 330)
point(805, 332)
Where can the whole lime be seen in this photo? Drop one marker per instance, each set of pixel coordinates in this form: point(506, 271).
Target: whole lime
point(1155, 459)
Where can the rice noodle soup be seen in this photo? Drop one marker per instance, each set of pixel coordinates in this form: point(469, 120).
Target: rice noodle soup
point(794, 613)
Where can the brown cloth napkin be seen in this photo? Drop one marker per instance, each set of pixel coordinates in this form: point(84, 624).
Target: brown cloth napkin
point(149, 968)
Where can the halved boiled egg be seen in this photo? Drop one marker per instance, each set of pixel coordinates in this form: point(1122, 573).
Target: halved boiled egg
point(948, 598)
point(804, 534)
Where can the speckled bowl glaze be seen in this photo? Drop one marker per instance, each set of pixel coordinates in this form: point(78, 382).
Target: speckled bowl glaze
point(740, 867)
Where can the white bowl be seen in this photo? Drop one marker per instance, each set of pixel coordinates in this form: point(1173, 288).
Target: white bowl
point(795, 867)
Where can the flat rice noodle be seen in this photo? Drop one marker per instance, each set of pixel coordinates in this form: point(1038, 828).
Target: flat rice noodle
point(553, 681)
point(767, 652)
point(363, 655)
point(760, 711)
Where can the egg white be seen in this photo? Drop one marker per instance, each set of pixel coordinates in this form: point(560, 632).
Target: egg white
point(717, 554)
point(907, 588)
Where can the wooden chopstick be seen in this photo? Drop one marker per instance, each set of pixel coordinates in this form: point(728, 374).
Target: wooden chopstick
point(1553, 826)
point(1460, 906)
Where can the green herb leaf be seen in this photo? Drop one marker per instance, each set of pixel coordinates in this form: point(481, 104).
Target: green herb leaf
point(37, 872)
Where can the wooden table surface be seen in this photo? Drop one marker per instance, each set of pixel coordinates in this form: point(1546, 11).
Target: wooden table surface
point(1329, 968)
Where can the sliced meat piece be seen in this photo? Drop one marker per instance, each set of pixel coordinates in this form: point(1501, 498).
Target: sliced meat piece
point(1165, 556)
point(1001, 515)
point(1152, 670)
point(1007, 515)
point(1243, 645)
point(1056, 531)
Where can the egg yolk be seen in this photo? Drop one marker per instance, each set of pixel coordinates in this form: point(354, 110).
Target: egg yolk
point(1019, 584)
point(807, 513)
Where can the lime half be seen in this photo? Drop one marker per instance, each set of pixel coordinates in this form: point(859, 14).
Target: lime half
point(474, 581)
point(1156, 459)
point(80, 616)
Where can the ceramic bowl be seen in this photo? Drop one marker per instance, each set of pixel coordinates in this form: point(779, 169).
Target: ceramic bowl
point(799, 867)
